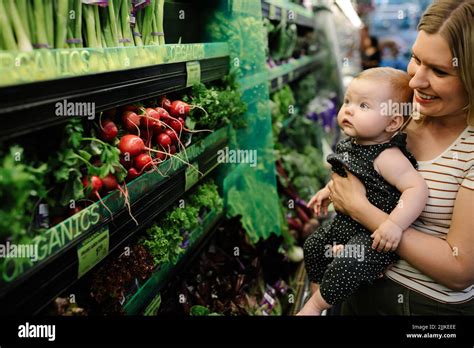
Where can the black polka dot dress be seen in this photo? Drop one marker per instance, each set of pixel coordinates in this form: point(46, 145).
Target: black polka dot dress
point(340, 275)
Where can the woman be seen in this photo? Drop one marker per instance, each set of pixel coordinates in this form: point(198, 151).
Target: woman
point(436, 273)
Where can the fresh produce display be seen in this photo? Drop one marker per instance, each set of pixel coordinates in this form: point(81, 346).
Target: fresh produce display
point(154, 178)
point(282, 104)
point(218, 105)
point(234, 277)
point(33, 24)
point(167, 240)
point(22, 189)
point(162, 243)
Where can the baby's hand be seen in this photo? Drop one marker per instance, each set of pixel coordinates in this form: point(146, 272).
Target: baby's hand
point(320, 202)
point(387, 236)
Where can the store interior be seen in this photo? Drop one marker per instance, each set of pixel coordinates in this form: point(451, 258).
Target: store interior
point(170, 148)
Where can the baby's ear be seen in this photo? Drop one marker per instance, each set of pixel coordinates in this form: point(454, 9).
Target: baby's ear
point(395, 123)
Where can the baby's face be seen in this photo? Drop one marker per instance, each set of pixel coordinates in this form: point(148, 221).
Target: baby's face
point(361, 116)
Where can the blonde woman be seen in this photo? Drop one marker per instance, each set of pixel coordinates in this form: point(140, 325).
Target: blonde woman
point(435, 275)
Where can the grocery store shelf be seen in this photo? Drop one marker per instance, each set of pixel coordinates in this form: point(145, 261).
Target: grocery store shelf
point(286, 73)
point(143, 298)
point(37, 286)
point(35, 104)
point(275, 9)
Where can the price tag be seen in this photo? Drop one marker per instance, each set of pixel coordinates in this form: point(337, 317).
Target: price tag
point(153, 307)
point(193, 70)
point(192, 176)
point(92, 250)
point(272, 11)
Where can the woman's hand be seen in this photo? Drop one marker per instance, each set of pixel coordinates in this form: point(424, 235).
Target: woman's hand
point(347, 194)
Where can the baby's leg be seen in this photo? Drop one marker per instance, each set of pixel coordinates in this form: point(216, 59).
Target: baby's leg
point(316, 257)
point(357, 263)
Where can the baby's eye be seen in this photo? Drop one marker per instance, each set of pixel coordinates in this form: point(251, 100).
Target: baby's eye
point(346, 101)
point(364, 105)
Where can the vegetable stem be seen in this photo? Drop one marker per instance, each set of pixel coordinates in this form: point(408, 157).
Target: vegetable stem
point(24, 43)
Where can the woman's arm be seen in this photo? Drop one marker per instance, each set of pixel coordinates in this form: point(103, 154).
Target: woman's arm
point(450, 261)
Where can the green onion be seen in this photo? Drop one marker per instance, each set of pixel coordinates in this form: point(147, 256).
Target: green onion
point(8, 38)
point(61, 8)
point(89, 20)
point(160, 15)
point(24, 43)
point(48, 21)
point(41, 37)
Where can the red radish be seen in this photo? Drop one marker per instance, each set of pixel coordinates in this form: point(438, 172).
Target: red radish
point(110, 182)
point(150, 119)
point(172, 134)
point(172, 150)
point(161, 156)
point(132, 174)
point(163, 140)
point(165, 103)
point(132, 145)
point(164, 115)
point(179, 108)
point(94, 185)
point(130, 120)
point(176, 125)
point(142, 161)
point(108, 130)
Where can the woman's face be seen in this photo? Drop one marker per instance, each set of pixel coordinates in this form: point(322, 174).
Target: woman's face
point(438, 88)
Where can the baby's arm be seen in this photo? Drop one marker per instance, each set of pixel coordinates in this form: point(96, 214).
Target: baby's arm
point(397, 170)
point(320, 202)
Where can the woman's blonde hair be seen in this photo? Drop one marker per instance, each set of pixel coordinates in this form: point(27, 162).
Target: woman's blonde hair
point(453, 20)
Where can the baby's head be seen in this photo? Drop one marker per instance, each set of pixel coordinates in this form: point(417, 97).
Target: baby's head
point(375, 105)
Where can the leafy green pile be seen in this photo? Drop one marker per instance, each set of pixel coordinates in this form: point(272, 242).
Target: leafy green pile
point(222, 102)
point(305, 91)
point(164, 240)
point(280, 104)
point(282, 40)
point(21, 188)
point(305, 169)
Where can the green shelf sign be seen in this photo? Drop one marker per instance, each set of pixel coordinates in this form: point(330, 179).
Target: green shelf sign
point(92, 250)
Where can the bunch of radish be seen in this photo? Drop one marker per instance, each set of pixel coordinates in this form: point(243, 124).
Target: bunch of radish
point(152, 134)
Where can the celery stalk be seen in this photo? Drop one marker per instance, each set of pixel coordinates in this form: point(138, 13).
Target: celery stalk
point(9, 42)
point(24, 43)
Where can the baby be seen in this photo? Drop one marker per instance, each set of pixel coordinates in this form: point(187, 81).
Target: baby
point(376, 153)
